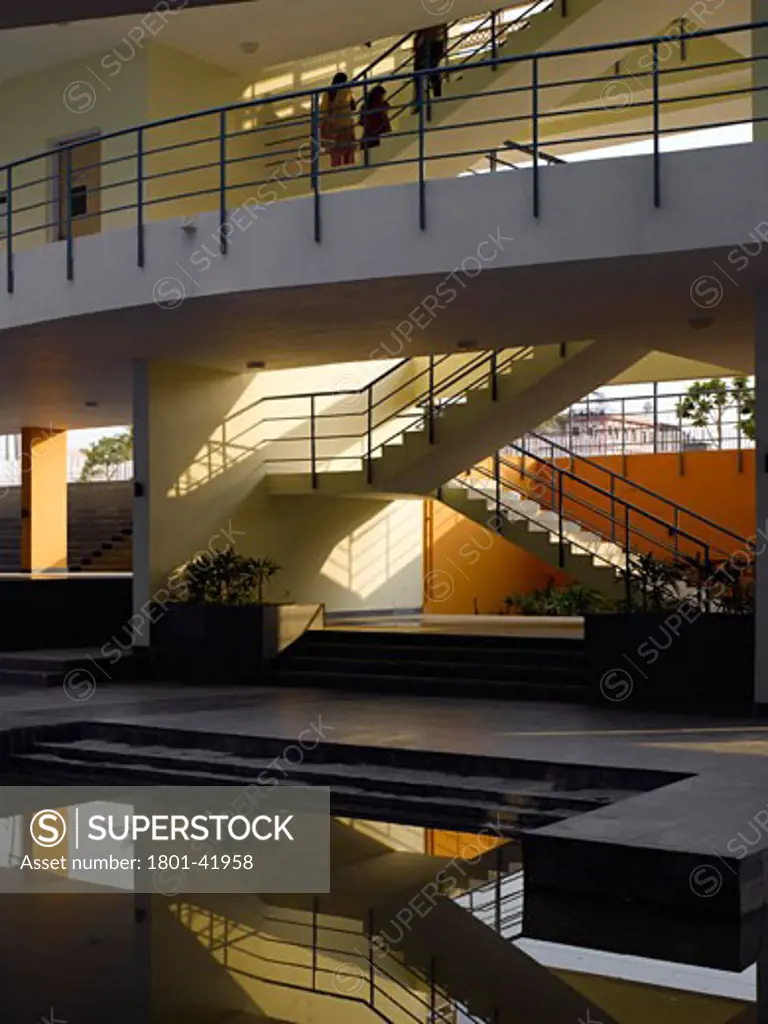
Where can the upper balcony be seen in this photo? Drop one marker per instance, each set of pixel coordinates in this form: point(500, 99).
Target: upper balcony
point(228, 207)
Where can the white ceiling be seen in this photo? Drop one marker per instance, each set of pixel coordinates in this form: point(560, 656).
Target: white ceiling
point(285, 30)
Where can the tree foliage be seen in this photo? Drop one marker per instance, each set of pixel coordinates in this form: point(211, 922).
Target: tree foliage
point(706, 403)
point(104, 457)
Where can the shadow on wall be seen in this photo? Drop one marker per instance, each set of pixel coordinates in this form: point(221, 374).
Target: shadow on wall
point(351, 554)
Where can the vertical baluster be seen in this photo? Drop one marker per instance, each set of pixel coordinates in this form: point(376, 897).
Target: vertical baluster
point(10, 282)
point(316, 162)
point(140, 195)
point(69, 242)
point(535, 132)
point(313, 441)
point(222, 181)
point(423, 86)
point(656, 128)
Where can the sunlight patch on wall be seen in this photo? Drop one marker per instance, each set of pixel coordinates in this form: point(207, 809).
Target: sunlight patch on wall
point(371, 555)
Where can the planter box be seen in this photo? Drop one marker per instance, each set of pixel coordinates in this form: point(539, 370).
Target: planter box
point(215, 643)
point(665, 660)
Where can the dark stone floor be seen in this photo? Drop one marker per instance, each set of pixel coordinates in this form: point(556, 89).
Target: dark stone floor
point(710, 820)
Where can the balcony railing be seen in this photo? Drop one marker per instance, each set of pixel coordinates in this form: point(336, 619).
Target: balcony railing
point(207, 161)
point(627, 422)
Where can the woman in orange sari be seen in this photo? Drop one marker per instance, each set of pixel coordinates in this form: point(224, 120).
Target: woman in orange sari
point(337, 121)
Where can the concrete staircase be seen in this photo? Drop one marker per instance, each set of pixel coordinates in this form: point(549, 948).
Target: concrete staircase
point(101, 540)
point(587, 556)
point(414, 443)
point(432, 663)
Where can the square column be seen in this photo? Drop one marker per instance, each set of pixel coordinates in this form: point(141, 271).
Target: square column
point(43, 499)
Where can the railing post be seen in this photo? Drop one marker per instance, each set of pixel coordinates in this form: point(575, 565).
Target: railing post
point(371, 963)
point(656, 128)
point(432, 989)
point(494, 40)
point(140, 195)
point(497, 478)
point(535, 132)
point(423, 85)
point(655, 417)
point(431, 401)
point(552, 473)
point(613, 508)
point(740, 453)
point(494, 376)
point(313, 441)
point(366, 151)
point(627, 560)
point(563, 8)
point(369, 437)
point(10, 283)
point(560, 524)
point(676, 528)
point(315, 913)
point(316, 162)
point(498, 890)
point(70, 247)
point(624, 436)
point(222, 181)
point(708, 594)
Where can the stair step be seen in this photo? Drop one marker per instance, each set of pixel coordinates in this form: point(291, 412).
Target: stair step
point(347, 800)
point(526, 793)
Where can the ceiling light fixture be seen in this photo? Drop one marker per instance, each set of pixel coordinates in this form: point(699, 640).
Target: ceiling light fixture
point(90, 404)
point(250, 46)
point(700, 323)
point(256, 364)
point(466, 343)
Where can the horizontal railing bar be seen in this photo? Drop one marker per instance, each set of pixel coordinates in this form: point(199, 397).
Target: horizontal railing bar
point(541, 56)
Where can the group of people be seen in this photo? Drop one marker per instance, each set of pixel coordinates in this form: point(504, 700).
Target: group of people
point(338, 108)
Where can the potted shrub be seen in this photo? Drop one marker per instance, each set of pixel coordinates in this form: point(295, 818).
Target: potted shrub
point(218, 626)
point(685, 639)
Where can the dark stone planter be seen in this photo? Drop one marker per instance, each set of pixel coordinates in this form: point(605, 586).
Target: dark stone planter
point(668, 660)
point(215, 643)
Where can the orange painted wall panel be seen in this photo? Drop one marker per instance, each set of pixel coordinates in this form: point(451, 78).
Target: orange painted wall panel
point(468, 569)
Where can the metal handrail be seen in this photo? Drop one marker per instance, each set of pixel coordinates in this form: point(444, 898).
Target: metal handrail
point(613, 475)
point(313, 174)
point(367, 991)
point(629, 506)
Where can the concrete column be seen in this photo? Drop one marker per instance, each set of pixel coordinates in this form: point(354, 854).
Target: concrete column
point(141, 478)
point(43, 499)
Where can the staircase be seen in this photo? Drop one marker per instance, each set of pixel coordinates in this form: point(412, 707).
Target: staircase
point(101, 540)
point(589, 530)
point(432, 663)
point(490, 104)
point(420, 423)
point(409, 787)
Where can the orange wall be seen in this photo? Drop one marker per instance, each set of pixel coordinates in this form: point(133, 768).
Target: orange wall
point(464, 845)
point(468, 569)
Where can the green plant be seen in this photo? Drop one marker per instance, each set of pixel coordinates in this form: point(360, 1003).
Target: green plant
point(104, 456)
point(654, 585)
point(571, 599)
point(223, 577)
point(707, 401)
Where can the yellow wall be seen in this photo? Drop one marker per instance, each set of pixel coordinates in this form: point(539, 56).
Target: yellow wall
point(35, 114)
point(350, 554)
